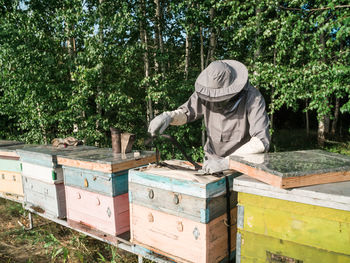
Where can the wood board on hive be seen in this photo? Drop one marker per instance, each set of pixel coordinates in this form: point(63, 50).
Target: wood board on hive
point(104, 160)
point(4, 143)
point(295, 168)
point(46, 155)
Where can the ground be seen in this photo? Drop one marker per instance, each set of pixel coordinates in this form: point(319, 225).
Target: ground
point(48, 241)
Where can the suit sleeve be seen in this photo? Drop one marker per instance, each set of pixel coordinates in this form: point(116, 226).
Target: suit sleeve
point(257, 117)
point(193, 108)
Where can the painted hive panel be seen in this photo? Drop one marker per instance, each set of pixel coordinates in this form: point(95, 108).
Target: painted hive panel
point(104, 160)
point(271, 249)
point(110, 184)
point(180, 190)
point(11, 183)
point(44, 197)
point(304, 224)
point(179, 238)
point(42, 173)
point(96, 211)
point(10, 165)
point(294, 169)
point(46, 155)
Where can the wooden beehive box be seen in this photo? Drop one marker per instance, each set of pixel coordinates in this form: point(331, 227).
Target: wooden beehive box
point(180, 213)
point(307, 224)
point(43, 178)
point(97, 188)
point(294, 169)
point(11, 186)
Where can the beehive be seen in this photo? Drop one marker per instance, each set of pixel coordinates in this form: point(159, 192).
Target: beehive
point(307, 224)
point(10, 171)
point(43, 178)
point(97, 188)
point(180, 213)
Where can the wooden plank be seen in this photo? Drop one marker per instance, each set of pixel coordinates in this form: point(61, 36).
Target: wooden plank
point(12, 197)
point(45, 197)
point(259, 248)
point(5, 143)
point(42, 173)
point(178, 204)
point(319, 227)
point(106, 167)
point(294, 169)
point(11, 183)
point(111, 184)
point(179, 238)
point(96, 211)
point(189, 182)
point(333, 195)
point(10, 165)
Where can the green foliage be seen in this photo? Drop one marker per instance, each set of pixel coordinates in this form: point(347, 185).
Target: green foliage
point(76, 68)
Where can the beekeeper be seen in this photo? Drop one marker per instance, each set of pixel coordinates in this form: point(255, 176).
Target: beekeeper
point(233, 110)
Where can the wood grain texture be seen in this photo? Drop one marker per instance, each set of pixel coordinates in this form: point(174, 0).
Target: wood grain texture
point(111, 184)
point(178, 204)
point(179, 238)
point(11, 183)
point(96, 211)
point(294, 169)
point(184, 181)
point(105, 167)
point(256, 248)
point(10, 165)
point(333, 195)
point(45, 197)
point(308, 225)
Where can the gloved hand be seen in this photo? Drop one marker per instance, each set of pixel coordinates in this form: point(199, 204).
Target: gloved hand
point(159, 123)
point(215, 165)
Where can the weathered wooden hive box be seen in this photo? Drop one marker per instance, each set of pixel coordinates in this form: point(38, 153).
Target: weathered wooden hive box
point(96, 185)
point(43, 178)
point(10, 171)
point(295, 168)
point(180, 213)
point(302, 225)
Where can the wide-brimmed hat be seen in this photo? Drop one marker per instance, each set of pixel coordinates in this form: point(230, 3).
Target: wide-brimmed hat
point(221, 80)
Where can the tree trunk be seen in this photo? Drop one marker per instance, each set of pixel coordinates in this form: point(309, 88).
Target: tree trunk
point(144, 41)
point(187, 53)
point(257, 35)
point(336, 116)
point(202, 68)
point(323, 121)
point(212, 40)
point(307, 118)
point(321, 131)
point(158, 41)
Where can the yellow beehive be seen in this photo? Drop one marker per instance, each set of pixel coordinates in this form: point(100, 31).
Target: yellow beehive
point(307, 224)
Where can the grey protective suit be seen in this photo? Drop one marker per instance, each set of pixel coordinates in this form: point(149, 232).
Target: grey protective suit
point(230, 127)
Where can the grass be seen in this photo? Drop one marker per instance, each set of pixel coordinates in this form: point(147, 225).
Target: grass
point(49, 242)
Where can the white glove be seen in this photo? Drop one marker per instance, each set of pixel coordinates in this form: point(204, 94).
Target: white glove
point(255, 145)
point(178, 117)
point(159, 123)
point(162, 121)
point(215, 165)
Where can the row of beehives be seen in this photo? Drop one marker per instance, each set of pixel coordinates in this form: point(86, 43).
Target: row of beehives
point(178, 213)
point(169, 210)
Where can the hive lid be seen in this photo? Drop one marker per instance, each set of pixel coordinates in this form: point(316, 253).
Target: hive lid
point(295, 168)
point(42, 154)
point(180, 176)
point(332, 195)
point(104, 160)
point(4, 143)
point(9, 152)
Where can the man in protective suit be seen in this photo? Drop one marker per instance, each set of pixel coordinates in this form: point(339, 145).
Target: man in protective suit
point(233, 110)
